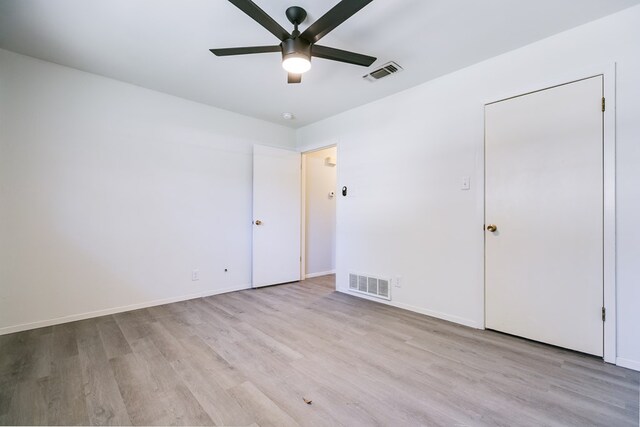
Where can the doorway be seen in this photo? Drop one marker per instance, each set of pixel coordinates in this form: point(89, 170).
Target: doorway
point(544, 213)
point(319, 180)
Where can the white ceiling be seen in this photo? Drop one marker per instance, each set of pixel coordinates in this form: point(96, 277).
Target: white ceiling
point(163, 45)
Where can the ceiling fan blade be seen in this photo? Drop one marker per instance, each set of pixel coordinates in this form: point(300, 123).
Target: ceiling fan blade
point(330, 20)
point(261, 17)
point(341, 55)
point(294, 78)
point(245, 50)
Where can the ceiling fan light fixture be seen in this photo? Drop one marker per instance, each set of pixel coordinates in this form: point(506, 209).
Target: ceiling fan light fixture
point(296, 63)
point(296, 55)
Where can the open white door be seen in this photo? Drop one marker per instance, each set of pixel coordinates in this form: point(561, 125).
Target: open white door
point(276, 216)
point(544, 214)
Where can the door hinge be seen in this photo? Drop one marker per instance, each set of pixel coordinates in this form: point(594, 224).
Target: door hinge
point(604, 104)
point(604, 314)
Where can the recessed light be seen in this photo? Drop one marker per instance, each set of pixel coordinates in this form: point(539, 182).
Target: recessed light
point(287, 116)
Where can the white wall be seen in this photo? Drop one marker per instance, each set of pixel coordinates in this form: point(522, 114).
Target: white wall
point(111, 194)
point(402, 158)
point(320, 213)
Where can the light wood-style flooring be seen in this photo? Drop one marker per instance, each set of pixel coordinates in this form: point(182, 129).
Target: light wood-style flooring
point(252, 357)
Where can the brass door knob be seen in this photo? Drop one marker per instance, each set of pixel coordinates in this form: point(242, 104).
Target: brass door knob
point(492, 228)
point(258, 222)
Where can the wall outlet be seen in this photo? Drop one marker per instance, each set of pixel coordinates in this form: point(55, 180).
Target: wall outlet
point(398, 281)
point(195, 275)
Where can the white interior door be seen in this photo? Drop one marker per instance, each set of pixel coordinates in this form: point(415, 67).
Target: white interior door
point(276, 216)
point(544, 194)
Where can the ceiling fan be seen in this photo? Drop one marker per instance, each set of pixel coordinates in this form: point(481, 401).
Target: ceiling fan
point(298, 48)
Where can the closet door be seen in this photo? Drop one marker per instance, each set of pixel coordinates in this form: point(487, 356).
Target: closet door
point(544, 216)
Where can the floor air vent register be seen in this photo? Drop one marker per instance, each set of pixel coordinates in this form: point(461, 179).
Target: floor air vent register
point(371, 286)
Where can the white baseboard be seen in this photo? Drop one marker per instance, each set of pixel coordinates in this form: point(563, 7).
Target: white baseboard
point(322, 273)
point(625, 363)
point(448, 317)
point(431, 313)
point(105, 312)
point(628, 363)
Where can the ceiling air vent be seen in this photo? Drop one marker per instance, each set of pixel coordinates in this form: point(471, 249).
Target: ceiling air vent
point(384, 71)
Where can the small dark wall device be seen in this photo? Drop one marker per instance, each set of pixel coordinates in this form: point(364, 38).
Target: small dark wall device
point(344, 190)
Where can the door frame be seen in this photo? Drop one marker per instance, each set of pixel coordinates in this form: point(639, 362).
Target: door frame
point(608, 73)
point(303, 202)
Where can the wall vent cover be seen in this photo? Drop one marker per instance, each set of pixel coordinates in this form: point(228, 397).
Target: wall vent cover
point(373, 286)
point(384, 71)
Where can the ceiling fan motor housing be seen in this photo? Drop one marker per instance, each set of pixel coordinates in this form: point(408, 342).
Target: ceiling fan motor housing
point(296, 47)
